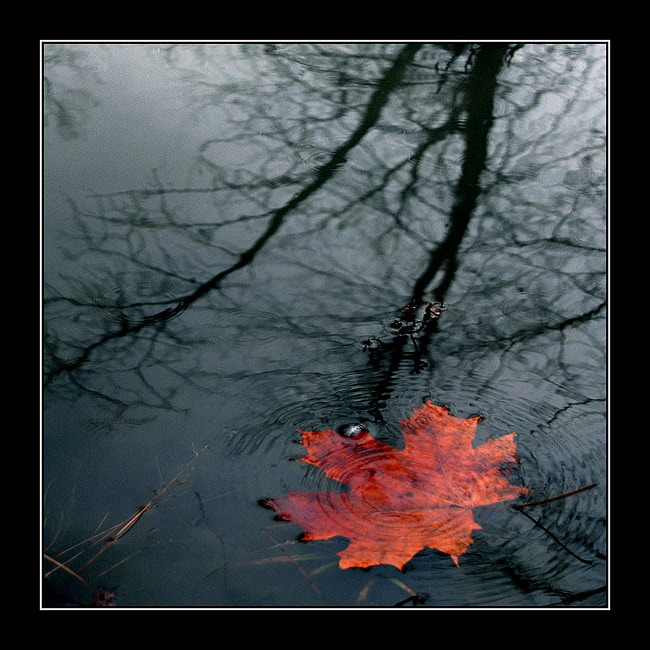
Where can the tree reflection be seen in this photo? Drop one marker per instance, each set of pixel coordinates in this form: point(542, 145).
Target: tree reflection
point(348, 227)
point(67, 104)
point(128, 326)
point(333, 176)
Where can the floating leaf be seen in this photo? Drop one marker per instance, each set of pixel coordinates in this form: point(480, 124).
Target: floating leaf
point(401, 501)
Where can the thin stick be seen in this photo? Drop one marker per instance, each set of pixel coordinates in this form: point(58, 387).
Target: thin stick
point(124, 559)
point(297, 564)
point(414, 597)
point(126, 525)
point(65, 568)
point(125, 528)
point(405, 587)
point(561, 496)
point(90, 541)
point(550, 534)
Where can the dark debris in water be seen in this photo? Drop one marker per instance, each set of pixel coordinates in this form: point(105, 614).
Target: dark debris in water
point(410, 324)
point(104, 598)
point(415, 319)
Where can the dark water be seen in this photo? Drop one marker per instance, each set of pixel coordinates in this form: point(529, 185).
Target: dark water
point(229, 232)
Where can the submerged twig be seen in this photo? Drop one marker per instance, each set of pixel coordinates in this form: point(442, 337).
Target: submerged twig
point(520, 507)
point(554, 538)
point(302, 571)
point(414, 597)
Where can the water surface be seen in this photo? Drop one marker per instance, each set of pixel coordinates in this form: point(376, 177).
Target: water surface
point(230, 232)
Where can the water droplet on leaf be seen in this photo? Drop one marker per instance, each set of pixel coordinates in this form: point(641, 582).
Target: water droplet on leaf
point(352, 430)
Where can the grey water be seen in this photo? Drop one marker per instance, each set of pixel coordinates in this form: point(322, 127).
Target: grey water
point(230, 235)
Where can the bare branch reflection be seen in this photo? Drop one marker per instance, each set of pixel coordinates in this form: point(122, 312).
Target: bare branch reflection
point(324, 235)
point(137, 218)
point(379, 155)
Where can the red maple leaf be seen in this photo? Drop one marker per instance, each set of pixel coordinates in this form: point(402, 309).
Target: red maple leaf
point(402, 500)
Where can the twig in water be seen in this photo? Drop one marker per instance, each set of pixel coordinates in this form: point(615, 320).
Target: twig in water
point(521, 507)
point(124, 527)
point(414, 597)
point(302, 571)
point(70, 571)
point(552, 536)
point(561, 496)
